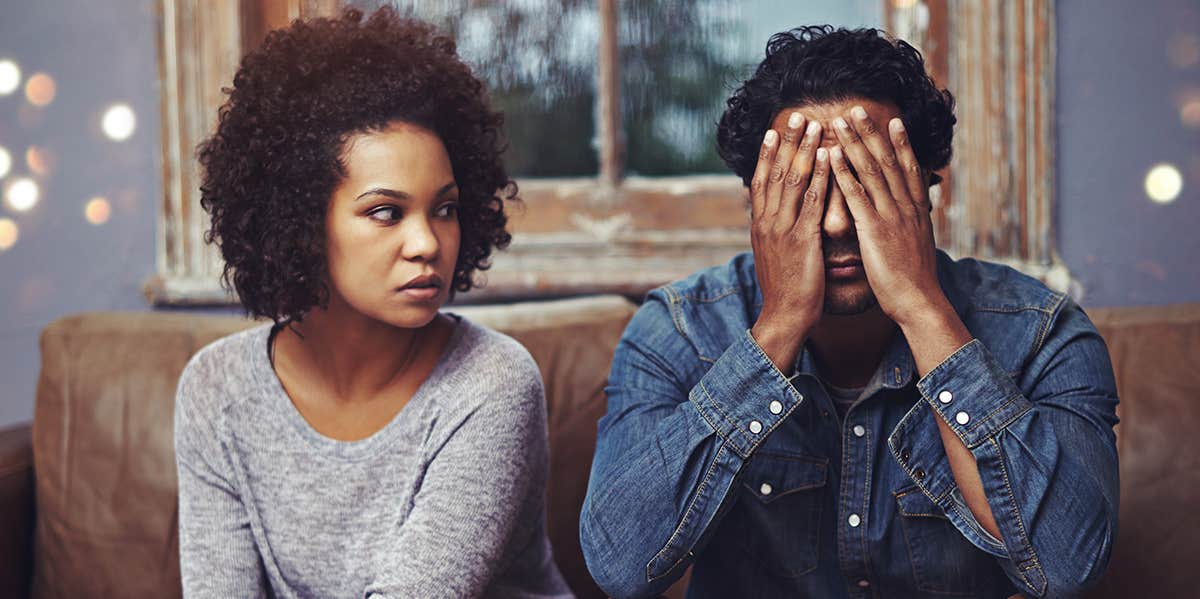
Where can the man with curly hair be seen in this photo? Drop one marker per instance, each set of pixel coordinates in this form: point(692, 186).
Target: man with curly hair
point(846, 411)
point(363, 443)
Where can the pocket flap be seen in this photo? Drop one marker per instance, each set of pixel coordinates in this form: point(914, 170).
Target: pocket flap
point(916, 504)
point(770, 476)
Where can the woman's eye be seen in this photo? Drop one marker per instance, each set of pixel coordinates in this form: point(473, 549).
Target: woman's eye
point(385, 214)
point(447, 210)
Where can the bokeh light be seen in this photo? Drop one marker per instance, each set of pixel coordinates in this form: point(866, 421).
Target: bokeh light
point(10, 77)
point(39, 160)
point(22, 194)
point(1189, 110)
point(5, 162)
point(118, 122)
point(97, 211)
point(8, 233)
point(1183, 50)
point(39, 89)
point(1163, 183)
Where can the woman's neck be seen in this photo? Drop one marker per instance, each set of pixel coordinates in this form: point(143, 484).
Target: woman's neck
point(347, 354)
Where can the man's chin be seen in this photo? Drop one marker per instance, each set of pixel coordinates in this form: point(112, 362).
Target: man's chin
point(849, 304)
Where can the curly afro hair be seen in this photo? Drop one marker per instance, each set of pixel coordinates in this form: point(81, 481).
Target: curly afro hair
point(276, 156)
point(816, 64)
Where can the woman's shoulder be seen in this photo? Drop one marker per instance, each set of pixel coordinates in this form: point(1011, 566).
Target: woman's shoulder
point(223, 367)
point(490, 361)
point(486, 347)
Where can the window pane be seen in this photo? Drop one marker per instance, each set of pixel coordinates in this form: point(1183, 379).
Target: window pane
point(681, 60)
point(538, 58)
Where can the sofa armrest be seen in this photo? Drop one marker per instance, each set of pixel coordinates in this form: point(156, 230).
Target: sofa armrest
point(16, 510)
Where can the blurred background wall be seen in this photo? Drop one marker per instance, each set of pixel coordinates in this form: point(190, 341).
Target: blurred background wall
point(80, 166)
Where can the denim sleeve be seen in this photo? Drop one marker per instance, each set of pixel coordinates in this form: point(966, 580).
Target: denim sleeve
point(668, 453)
point(1045, 450)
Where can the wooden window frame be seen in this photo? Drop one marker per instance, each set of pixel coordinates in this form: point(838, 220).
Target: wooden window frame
point(613, 234)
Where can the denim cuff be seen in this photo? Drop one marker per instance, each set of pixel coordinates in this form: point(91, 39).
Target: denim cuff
point(973, 394)
point(743, 397)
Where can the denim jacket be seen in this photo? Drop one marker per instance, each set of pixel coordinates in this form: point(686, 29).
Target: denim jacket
point(709, 456)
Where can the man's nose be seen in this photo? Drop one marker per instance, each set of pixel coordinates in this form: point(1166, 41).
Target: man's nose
point(837, 222)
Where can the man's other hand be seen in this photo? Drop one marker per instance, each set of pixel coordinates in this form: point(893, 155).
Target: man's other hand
point(787, 197)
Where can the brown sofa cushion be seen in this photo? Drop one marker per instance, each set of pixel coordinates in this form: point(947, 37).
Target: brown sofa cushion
point(103, 445)
point(1156, 357)
point(16, 510)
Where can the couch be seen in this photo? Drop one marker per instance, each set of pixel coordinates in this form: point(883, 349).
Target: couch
point(87, 492)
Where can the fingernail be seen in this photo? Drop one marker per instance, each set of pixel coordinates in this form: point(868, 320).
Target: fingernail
point(769, 140)
point(897, 125)
point(794, 120)
point(858, 112)
point(840, 123)
point(835, 152)
point(814, 127)
point(822, 153)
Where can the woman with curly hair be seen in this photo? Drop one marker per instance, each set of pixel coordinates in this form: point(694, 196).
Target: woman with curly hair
point(362, 444)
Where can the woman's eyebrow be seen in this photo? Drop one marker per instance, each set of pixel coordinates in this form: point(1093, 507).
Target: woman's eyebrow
point(400, 195)
point(383, 191)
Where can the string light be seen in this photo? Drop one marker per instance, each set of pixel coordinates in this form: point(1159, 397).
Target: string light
point(97, 211)
point(5, 162)
point(40, 89)
point(10, 77)
point(118, 122)
point(22, 195)
point(1163, 183)
point(8, 233)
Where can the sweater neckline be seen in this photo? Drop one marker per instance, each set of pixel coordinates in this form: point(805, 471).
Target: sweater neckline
point(278, 398)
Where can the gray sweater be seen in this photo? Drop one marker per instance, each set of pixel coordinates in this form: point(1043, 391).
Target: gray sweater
point(447, 500)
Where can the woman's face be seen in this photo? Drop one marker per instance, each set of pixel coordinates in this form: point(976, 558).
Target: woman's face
point(392, 226)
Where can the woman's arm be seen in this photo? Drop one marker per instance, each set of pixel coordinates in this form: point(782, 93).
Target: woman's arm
point(217, 554)
point(475, 493)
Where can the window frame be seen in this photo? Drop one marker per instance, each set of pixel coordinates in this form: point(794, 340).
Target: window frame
point(617, 234)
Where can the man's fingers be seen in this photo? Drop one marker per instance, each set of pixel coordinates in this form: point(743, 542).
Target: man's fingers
point(799, 172)
point(789, 137)
point(880, 146)
point(867, 170)
point(860, 205)
point(758, 183)
point(812, 206)
point(914, 177)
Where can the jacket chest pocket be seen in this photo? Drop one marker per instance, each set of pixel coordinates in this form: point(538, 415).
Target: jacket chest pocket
point(942, 559)
point(778, 514)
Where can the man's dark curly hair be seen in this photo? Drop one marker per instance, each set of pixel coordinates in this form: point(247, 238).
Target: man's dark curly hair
point(276, 157)
point(817, 64)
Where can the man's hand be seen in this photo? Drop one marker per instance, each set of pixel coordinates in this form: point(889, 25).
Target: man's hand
point(889, 201)
point(787, 196)
point(895, 235)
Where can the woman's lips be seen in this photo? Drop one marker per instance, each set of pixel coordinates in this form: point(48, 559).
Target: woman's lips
point(421, 293)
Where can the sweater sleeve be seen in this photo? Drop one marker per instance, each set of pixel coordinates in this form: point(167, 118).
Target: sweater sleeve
point(217, 554)
point(470, 504)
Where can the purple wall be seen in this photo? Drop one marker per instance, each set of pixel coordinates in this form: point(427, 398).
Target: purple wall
point(1118, 114)
point(1124, 69)
point(98, 53)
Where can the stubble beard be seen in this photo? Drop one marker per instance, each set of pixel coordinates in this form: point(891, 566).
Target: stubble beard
point(848, 302)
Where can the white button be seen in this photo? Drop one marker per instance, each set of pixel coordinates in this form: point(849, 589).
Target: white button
point(755, 426)
point(945, 397)
point(776, 407)
point(859, 430)
point(862, 584)
point(765, 489)
point(962, 418)
point(854, 520)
